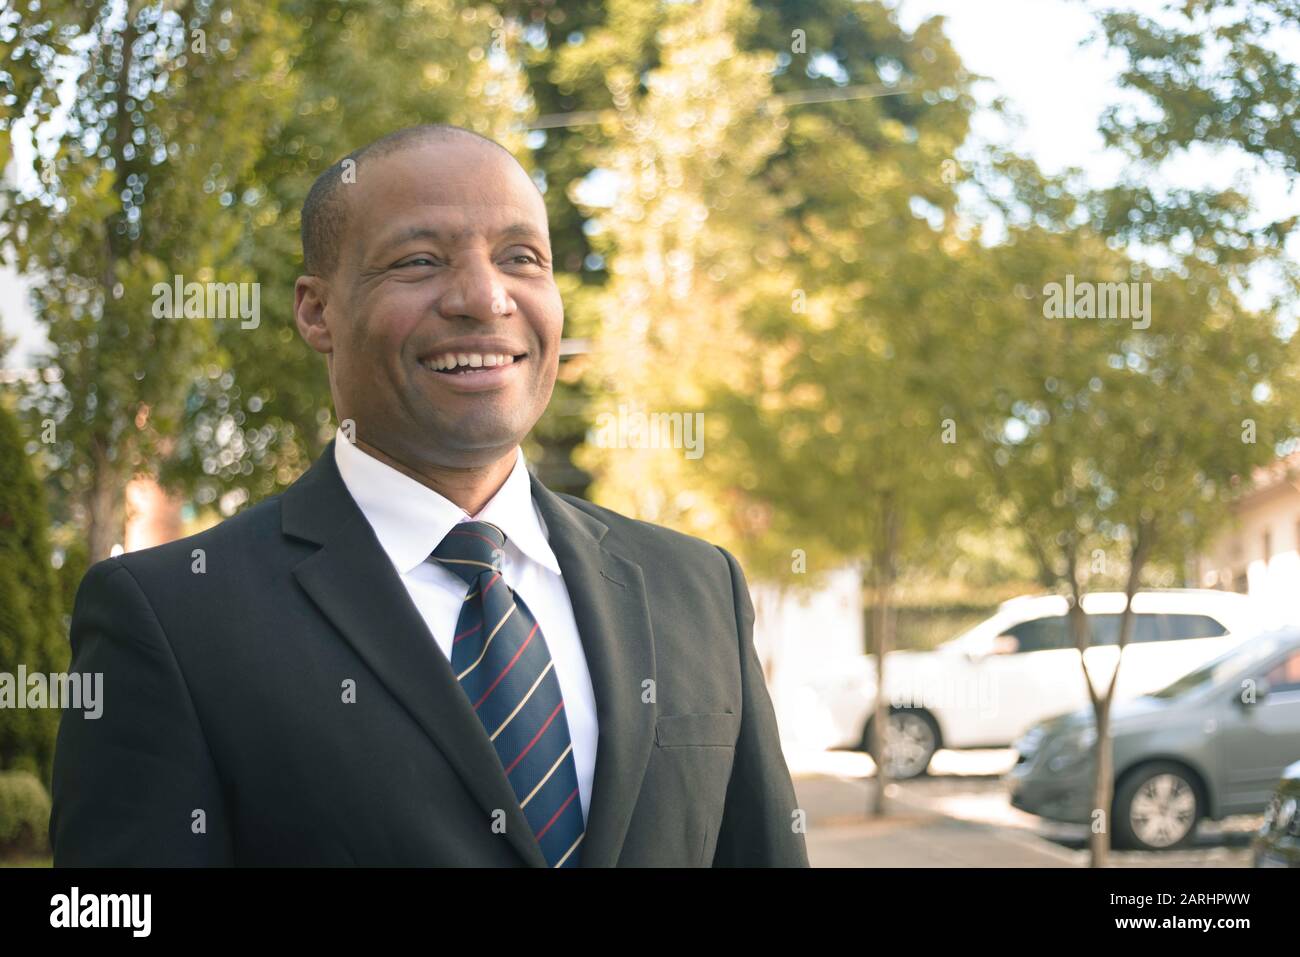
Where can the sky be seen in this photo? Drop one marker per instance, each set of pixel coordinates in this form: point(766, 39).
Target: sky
point(1032, 54)
point(1030, 50)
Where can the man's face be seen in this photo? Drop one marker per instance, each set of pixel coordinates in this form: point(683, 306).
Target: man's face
point(446, 252)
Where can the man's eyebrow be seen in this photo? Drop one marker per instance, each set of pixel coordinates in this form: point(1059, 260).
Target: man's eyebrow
point(522, 231)
point(513, 231)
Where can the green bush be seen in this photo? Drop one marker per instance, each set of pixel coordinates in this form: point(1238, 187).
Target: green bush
point(24, 814)
point(31, 620)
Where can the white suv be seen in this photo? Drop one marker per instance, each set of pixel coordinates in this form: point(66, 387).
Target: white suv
point(986, 687)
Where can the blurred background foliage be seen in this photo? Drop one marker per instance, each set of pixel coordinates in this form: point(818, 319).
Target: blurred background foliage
point(771, 213)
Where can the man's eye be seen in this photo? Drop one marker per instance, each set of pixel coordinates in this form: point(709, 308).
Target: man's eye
point(526, 258)
point(418, 260)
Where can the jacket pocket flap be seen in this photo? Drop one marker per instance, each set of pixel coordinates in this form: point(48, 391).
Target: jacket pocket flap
point(698, 730)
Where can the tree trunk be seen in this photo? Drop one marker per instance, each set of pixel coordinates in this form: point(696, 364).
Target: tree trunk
point(882, 639)
point(1103, 785)
point(106, 496)
point(104, 521)
point(1103, 788)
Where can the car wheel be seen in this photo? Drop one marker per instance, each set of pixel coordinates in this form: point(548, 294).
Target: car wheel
point(910, 743)
point(1157, 808)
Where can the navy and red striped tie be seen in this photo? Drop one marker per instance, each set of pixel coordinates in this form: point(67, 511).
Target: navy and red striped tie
point(501, 660)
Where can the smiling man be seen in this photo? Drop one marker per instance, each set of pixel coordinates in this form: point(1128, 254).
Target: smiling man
point(418, 654)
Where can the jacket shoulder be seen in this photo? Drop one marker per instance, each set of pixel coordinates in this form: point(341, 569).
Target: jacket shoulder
point(243, 533)
point(649, 537)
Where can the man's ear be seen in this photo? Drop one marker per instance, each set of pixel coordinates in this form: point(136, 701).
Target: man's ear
point(309, 296)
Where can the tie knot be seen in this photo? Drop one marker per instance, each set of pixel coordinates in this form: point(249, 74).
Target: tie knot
point(470, 549)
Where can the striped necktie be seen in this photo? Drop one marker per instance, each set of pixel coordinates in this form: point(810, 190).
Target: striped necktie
point(501, 660)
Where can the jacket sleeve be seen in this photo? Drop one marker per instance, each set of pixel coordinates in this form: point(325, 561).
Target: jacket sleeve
point(127, 785)
point(759, 824)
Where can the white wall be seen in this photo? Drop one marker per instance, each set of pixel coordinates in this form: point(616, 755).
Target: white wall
point(1272, 579)
point(800, 634)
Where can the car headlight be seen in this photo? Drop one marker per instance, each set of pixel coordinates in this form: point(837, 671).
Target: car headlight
point(1029, 743)
point(1072, 747)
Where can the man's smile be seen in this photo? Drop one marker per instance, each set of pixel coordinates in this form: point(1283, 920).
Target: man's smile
point(475, 372)
point(477, 363)
point(468, 362)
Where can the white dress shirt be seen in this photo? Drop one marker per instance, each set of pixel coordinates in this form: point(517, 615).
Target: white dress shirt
point(411, 519)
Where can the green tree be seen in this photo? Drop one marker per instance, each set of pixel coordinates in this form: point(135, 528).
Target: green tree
point(784, 211)
point(680, 242)
point(31, 627)
point(1112, 443)
point(193, 136)
point(168, 111)
point(840, 431)
point(1203, 77)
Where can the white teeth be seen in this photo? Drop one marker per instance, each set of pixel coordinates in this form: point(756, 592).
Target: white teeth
point(472, 360)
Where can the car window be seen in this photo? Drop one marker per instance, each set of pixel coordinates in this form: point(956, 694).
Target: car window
point(1150, 627)
point(1044, 634)
point(1041, 634)
point(1105, 628)
point(1186, 627)
point(1285, 675)
point(1234, 661)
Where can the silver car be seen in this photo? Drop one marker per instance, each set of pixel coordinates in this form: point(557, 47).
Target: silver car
point(1211, 744)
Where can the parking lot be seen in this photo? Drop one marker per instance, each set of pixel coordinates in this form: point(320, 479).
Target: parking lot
point(959, 816)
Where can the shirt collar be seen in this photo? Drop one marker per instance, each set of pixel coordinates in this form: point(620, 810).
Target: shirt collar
point(411, 519)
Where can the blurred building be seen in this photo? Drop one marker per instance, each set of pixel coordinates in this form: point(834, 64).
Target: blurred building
point(801, 636)
point(153, 517)
point(1258, 551)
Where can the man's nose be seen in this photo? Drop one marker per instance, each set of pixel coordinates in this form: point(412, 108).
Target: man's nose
point(475, 289)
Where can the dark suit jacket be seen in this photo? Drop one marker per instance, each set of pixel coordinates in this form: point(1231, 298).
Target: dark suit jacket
point(225, 656)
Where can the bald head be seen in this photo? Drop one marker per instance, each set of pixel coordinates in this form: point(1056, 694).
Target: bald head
point(325, 210)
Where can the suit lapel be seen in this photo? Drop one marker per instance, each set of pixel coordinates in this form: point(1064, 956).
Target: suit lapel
point(607, 592)
point(354, 585)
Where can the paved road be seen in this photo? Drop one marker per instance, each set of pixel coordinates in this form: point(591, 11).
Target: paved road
point(959, 816)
